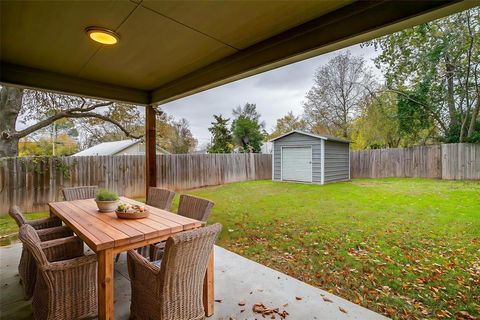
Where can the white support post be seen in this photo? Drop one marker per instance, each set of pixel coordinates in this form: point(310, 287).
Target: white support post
point(322, 161)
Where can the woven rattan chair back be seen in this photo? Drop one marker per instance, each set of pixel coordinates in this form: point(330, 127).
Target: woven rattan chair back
point(195, 208)
point(17, 215)
point(66, 285)
point(160, 198)
point(183, 266)
point(49, 228)
point(31, 241)
point(175, 290)
point(79, 193)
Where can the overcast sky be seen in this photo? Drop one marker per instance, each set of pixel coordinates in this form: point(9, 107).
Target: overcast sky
point(275, 93)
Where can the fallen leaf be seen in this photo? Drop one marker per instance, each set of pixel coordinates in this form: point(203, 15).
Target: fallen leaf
point(343, 310)
point(299, 298)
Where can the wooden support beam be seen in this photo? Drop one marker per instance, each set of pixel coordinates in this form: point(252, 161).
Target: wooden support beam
point(105, 284)
point(208, 287)
point(150, 149)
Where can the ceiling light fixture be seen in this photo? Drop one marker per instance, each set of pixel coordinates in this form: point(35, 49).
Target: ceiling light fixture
point(102, 35)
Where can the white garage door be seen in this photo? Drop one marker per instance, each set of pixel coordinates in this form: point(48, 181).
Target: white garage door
point(297, 163)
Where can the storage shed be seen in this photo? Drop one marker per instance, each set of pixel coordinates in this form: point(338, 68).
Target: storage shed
point(306, 157)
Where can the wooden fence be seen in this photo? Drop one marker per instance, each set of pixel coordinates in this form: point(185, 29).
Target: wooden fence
point(446, 161)
point(33, 182)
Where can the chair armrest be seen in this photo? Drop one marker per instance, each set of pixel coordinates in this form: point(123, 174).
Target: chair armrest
point(70, 264)
point(54, 233)
point(139, 266)
point(63, 248)
point(45, 223)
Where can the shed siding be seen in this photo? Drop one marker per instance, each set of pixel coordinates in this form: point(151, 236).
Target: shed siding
point(336, 161)
point(296, 139)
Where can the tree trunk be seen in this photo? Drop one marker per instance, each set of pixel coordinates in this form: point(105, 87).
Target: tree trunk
point(473, 120)
point(10, 105)
point(9, 148)
point(450, 70)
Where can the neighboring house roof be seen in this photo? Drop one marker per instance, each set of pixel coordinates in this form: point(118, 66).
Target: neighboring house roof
point(111, 148)
point(108, 148)
point(324, 137)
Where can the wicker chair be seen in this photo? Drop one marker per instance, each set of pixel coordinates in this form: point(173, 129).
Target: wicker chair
point(38, 224)
point(195, 208)
point(160, 198)
point(66, 286)
point(174, 289)
point(79, 193)
point(190, 207)
point(47, 229)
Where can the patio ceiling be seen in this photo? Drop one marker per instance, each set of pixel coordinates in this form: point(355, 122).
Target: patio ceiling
point(170, 49)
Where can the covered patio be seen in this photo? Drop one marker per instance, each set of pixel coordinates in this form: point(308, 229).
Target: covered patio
point(240, 283)
point(168, 50)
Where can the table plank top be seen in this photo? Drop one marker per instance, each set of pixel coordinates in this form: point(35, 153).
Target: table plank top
point(104, 230)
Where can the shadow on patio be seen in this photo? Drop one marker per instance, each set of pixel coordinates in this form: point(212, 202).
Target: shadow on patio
point(239, 284)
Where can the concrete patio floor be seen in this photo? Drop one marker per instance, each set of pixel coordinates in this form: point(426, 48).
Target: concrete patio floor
point(237, 281)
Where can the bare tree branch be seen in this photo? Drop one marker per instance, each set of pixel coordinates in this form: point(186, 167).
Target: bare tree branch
point(75, 113)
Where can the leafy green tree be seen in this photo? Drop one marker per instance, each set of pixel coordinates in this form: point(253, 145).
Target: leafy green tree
point(222, 141)
point(247, 129)
point(287, 123)
point(377, 124)
point(434, 69)
point(63, 145)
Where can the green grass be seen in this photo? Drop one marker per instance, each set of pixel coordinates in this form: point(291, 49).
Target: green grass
point(407, 248)
point(402, 247)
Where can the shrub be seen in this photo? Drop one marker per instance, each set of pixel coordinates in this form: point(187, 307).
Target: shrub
point(105, 195)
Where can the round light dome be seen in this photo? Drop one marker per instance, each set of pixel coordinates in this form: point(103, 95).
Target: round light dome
point(102, 35)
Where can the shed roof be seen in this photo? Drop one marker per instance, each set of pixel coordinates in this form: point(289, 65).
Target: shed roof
point(323, 137)
point(108, 148)
point(170, 49)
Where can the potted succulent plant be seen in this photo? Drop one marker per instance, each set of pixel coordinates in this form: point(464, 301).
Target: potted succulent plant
point(106, 200)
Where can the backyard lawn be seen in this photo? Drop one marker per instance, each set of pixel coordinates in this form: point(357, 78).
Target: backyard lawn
point(406, 248)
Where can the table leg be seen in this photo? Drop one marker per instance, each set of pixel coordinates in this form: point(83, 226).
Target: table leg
point(208, 288)
point(105, 284)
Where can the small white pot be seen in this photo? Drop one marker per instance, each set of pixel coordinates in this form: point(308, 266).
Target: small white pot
point(107, 206)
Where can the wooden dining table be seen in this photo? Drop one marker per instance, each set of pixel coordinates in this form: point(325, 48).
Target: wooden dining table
point(108, 235)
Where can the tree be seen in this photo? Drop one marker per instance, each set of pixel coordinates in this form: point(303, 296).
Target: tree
point(43, 109)
point(63, 145)
point(287, 123)
point(434, 69)
point(95, 131)
point(247, 130)
point(182, 140)
point(339, 88)
point(221, 136)
point(377, 124)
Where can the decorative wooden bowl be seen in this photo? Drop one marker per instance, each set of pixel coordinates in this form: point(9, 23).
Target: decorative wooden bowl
point(136, 215)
